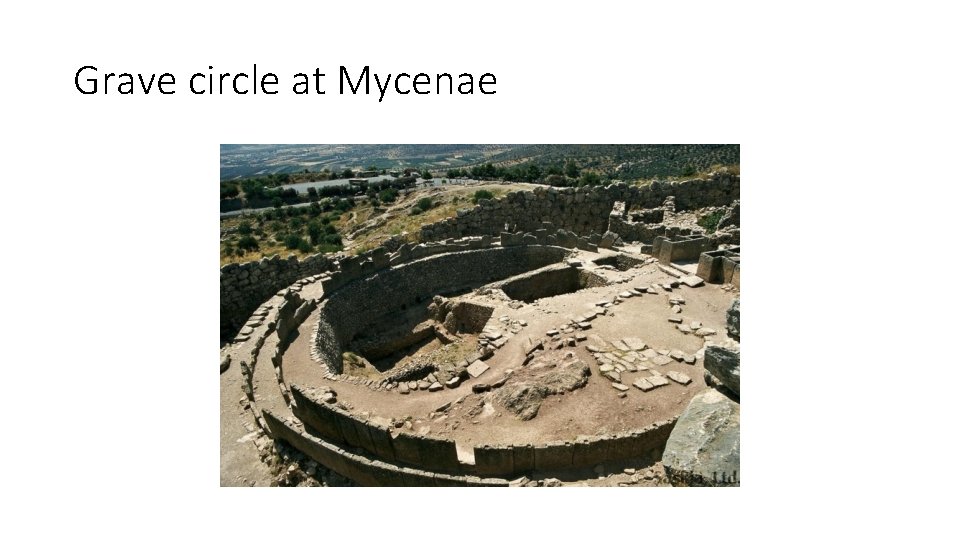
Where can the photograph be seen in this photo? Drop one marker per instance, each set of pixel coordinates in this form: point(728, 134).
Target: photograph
point(480, 315)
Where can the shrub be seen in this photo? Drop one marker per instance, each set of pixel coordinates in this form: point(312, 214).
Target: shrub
point(291, 241)
point(415, 211)
point(425, 204)
point(244, 228)
point(481, 194)
point(247, 243)
point(710, 221)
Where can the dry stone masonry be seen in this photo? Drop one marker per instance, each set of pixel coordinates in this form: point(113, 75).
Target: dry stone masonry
point(551, 333)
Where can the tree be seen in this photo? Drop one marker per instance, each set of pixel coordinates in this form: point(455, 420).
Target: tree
point(427, 175)
point(571, 169)
point(247, 243)
point(348, 173)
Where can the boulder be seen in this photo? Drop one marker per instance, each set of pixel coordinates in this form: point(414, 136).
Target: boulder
point(724, 365)
point(704, 446)
point(733, 320)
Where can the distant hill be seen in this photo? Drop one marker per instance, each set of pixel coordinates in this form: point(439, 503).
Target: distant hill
point(619, 161)
point(626, 161)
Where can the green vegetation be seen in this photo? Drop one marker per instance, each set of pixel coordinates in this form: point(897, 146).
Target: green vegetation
point(303, 230)
point(481, 194)
point(711, 221)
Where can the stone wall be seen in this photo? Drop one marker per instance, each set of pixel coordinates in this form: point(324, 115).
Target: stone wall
point(245, 286)
point(365, 471)
point(350, 308)
point(548, 215)
point(581, 210)
point(514, 460)
point(338, 426)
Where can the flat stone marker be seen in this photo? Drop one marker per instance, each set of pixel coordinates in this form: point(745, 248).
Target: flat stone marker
point(676, 354)
point(605, 368)
point(704, 332)
point(658, 381)
point(403, 388)
point(622, 345)
point(691, 281)
point(679, 377)
point(613, 375)
point(435, 387)
point(643, 384)
point(675, 320)
point(453, 383)
point(662, 360)
point(477, 368)
point(423, 385)
point(635, 344)
point(684, 328)
point(584, 326)
point(620, 387)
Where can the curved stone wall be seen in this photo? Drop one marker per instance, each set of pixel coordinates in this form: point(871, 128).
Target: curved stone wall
point(349, 309)
point(338, 428)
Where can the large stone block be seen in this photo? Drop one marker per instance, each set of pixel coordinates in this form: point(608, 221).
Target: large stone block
point(724, 365)
point(704, 446)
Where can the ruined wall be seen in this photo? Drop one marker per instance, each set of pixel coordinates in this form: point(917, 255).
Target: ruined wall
point(581, 210)
point(365, 471)
point(338, 426)
point(351, 307)
point(514, 460)
point(245, 286)
point(584, 211)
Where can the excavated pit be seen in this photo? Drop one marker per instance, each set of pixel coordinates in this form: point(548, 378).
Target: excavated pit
point(554, 281)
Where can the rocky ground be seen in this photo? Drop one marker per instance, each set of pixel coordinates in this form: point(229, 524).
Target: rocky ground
point(630, 337)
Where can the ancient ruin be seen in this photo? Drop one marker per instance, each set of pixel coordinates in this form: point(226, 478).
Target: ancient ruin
point(550, 337)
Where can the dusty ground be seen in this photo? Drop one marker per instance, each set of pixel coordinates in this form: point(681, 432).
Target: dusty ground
point(595, 409)
point(474, 419)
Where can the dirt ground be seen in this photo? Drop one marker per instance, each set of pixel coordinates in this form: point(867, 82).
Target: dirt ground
point(595, 409)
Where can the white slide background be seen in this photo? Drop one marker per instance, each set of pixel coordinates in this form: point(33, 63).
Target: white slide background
point(846, 113)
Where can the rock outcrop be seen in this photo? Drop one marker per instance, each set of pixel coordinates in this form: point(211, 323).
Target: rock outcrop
point(723, 364)
point(704, 447)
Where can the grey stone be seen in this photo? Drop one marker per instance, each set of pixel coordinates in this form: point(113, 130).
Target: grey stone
point(704, 332)
point(662, 360)
point(724, 364)
point(679, 377)
point(620, 387)
point(684, 328)
point(643, 384)
point(423, 385)
point(676, 309)
point(635, 344)
point(676, 320)
point(453, 383)
point(612, 375)
point(733, 320)
point(691, 281)
point(658, 380)
point(704, 446)
point(435, 387)
point(477, 368)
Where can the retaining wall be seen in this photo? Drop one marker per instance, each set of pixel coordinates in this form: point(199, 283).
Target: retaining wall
point(360, 469)
point(514, 460)
point(340, 427)
point(349, 309)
